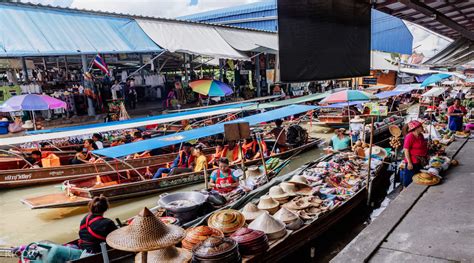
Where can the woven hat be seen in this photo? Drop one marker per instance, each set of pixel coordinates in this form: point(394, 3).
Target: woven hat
point(277, 193)
point(255, 171)
point(196, 235)
point(251, 211)
point(146, 232)
point(295, 225)
point(395, 130)
point(296, 189)
point(170, 254)
point(269, 204)
point(28, 125)
point(297, 204)
point(217, 249)
point(426, 179)
point(268, 224)
point(378, 151)
point(429, 110)
point(413, 125)
point(4, 119)
point(285, 215)
point(227, 221)
point(299, 180)
point(357, 119)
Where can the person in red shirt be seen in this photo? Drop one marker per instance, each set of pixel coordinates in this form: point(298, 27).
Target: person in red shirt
point(416, 152)
point(456, 113)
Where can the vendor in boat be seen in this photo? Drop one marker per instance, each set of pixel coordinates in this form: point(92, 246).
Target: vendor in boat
point(182, 163)
point(393, 104)
point(79, 157)
point(340, 141)
point(416, 152)
point(456, 113)
point(251, 148)
point(430, 115)
point(97, 138)
point(137, 136)
point(279, 133)
point(94, 226)
point(223, 179)
point(34, 160)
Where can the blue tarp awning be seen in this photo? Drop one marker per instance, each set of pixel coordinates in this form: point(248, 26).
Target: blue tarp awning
point(388, 94)
point(172, 139)
point(34, 31)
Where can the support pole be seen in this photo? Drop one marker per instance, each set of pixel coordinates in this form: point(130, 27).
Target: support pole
point(221, 69)
point(25, 69)
point(242, 163)
point(257, 75)
point(369, 188)
point(259, 140)
point(87, 84)
point(206, 181)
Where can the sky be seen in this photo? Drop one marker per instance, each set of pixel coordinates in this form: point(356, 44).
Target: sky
point(424, 40)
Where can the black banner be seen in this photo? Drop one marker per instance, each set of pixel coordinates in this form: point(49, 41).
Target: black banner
point(323, 39)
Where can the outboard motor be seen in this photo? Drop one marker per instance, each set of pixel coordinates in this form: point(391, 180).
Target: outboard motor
point(49, 253)
point(296, 135)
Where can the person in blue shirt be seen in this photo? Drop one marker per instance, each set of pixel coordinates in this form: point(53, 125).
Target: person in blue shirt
point(340, 141)
point(183, 162)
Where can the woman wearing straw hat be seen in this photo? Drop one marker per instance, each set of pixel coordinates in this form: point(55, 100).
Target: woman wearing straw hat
point(356, 127)
point(340, 141)
point(416, 152)
point(94, 226)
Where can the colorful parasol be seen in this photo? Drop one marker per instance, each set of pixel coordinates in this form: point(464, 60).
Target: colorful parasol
point(348, 96)
point(31, 102)
point(212, 88)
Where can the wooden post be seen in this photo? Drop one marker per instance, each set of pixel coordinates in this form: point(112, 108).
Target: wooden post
point(242, 163)
point(144, 256)
point(259, 141)
point(206, 182)
point(370, 159)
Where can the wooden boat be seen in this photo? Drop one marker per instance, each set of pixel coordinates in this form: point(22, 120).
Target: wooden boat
point(115, 188)
point(27, 177)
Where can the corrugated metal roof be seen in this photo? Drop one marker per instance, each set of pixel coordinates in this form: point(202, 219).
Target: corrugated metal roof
point(389, 34)
point(31, 31)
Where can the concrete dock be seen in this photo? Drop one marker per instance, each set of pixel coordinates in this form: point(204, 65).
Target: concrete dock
point(424, 223)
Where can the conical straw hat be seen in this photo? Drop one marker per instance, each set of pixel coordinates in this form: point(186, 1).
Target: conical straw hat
point(251, 211)
point(227, 221)
point(146, 232)
point(267, 203)
point(170, 254)
point(285, 215)
point(276, 192)
point(268, 224)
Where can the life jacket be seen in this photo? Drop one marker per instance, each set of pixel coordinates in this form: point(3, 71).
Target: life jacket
point(235, 152)
point(185, 159)
point(253, 145)
point(87, 226)
point(229, 180)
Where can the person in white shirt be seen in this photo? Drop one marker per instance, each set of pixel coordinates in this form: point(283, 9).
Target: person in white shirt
point(357, 128)
point(115, 88)
point(97, 138)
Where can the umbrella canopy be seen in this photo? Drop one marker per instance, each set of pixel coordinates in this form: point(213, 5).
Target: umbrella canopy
point(347, 96)
point(211, 88)
point(435, 78)
point(31, 102)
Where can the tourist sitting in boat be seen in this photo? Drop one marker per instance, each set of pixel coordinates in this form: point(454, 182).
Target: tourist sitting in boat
point(79, 157)
point(416, 152)
point(430, 115)
point(182, 163)
point(251, 148)
point(94, 226)
point(137, 136)
point(223, 179)
point(34, 160)
point(89, 146)
point(221, 151)
point(97, 138)
point(279, 133)
point(200, 159)
point(340, 141)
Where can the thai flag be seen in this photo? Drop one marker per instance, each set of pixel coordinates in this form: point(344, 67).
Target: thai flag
point(100, 63)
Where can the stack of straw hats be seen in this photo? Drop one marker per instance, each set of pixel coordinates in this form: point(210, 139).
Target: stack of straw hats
point(268, 204)
point(196, 235)
point(217, 249)
point(148, 233)
point(273, 228)
point(251, 242)
point(278, 194)
point(251, 211)
point(298, 185)
point(227, 221)
point(291, 219)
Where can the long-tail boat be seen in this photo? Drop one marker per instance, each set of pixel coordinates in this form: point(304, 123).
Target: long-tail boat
point(127, 184)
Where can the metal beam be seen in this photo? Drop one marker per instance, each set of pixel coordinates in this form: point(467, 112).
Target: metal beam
point(428, 11)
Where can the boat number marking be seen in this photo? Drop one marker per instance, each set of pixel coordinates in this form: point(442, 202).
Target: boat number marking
point(17, 177)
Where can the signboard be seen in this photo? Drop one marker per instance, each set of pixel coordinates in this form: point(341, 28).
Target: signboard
point(369, 81)
point(236, 131)
point(376, 109)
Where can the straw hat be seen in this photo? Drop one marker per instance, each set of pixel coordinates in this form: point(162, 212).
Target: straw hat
point(251, 242)
point(299, 180)
point(227, 221)
point(271, 226)
point(251, 211)
point(429, 110)
point(216, 249)
point(357, 119)
point(4, 119)
point(426, 179)
point(294, 188)
point(277, 193)
point(170, 254)
point(285, 215)
point(395, 130)
point(196, 235)
point(269, 204)
point(255, 171)
point(146, 232)
point(295, 225)
point(378, 151)
point(297, 204)
point(28, 125)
